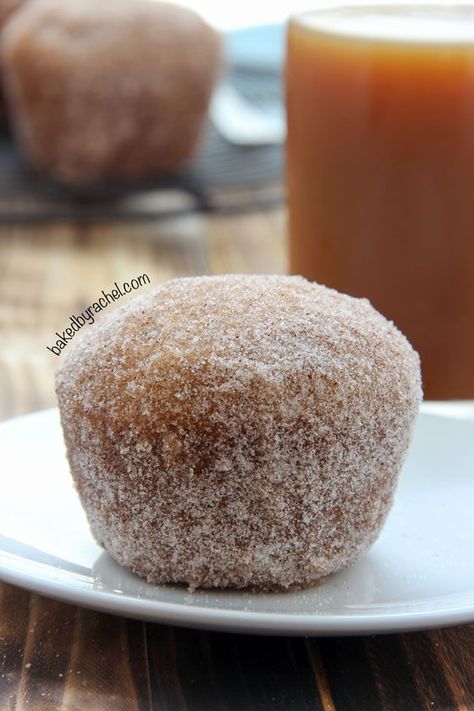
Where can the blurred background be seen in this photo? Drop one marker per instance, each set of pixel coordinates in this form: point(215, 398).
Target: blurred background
point(132, 143)
point(61, 243)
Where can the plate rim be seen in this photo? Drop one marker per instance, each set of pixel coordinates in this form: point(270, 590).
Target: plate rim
point(244, 621)
point(247, 621)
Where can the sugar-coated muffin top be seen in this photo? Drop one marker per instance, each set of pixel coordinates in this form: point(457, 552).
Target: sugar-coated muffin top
point(241, 325)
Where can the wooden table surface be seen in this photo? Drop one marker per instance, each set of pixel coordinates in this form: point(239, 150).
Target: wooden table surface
point(57, 656)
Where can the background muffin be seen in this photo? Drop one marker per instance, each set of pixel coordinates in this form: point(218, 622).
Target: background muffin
point(7, 7)
point(116, 88)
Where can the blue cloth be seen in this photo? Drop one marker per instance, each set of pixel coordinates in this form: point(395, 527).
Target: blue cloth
point(260, 47)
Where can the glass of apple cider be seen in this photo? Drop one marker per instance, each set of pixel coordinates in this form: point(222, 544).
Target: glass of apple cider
point(380, 170)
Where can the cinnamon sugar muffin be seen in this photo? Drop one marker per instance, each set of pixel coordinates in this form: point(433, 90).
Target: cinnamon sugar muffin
point(7, 8)
point(108, 88)
point(239, 431)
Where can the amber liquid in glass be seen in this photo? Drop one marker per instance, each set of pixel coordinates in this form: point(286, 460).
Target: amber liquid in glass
point(380, 170)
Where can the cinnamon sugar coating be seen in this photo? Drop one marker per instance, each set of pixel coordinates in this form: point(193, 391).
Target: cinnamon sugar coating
point(108, 88)
point(238, 431)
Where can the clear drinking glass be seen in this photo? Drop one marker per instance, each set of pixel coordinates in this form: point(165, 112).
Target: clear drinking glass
point(380, 169)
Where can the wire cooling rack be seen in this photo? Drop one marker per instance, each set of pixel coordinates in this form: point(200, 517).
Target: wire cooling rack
point(222, 177)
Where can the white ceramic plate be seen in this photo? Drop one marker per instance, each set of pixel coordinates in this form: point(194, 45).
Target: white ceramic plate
point(419, 574)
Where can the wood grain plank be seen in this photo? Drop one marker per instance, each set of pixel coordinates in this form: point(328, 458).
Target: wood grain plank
point(349, 674)
point(428, 676)
point(46, 655)
point(454, 649)
point(320, 675)
point(99, 674)
point(198, 678)
point(252, 243)
point(14, 623)
point(262, 673)
point(165, 680)
point(393, 673)
point(139, 663)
